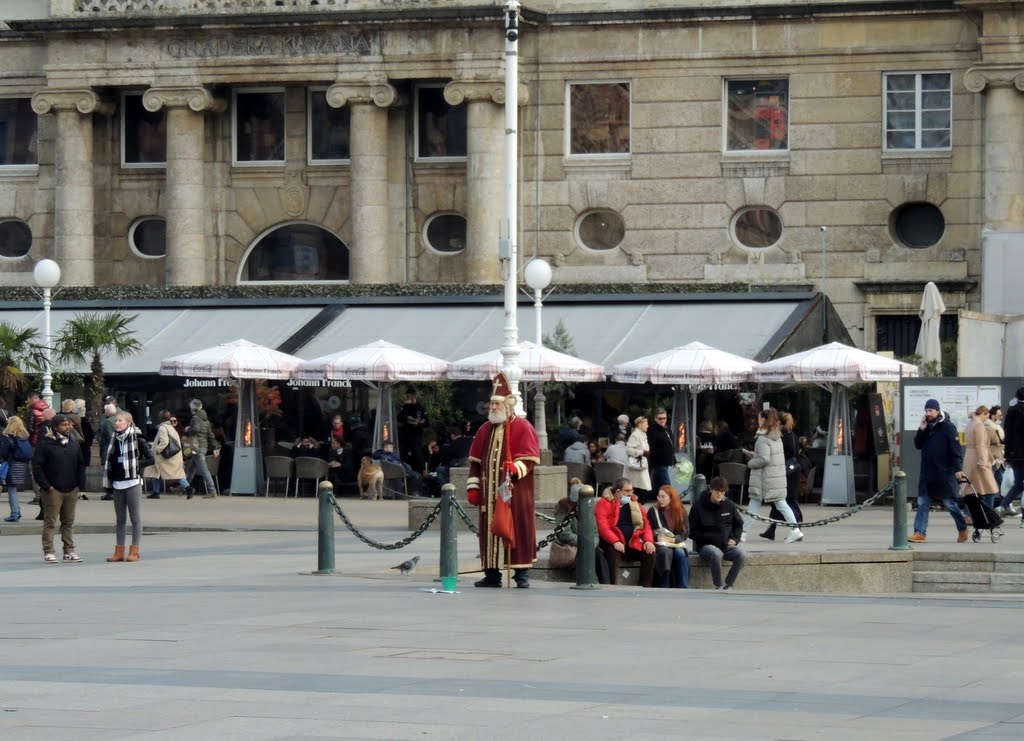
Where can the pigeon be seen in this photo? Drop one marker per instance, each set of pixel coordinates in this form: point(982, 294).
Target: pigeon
point(406, 566)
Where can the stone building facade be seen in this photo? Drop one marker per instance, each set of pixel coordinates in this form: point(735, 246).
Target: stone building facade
point(211, 142)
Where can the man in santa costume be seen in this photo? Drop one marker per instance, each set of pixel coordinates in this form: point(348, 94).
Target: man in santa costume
point(500, 483)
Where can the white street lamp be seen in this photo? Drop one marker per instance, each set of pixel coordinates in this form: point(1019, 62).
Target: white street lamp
point(538, 277)
point(47, 275)
point(824, 275)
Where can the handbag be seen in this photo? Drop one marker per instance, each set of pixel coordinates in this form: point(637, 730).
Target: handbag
point(172, 448)
point(5, 469)
point(792, 465)
point(636, 463)
point(562, 556)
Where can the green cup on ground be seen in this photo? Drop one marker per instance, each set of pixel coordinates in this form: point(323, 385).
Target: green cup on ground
point(448, 583)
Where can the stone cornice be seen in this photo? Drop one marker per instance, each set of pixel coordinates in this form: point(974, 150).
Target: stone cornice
point(84, 101)
point(458, 92)
point(197, 98)
point(978, 78)
point(914, 286)
point(381, 94)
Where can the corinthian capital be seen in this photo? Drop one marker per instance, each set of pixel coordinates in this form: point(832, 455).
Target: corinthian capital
point(978, 78)
point(341, 94)
point(458, 92)
point(84, 101)
point(198, 99)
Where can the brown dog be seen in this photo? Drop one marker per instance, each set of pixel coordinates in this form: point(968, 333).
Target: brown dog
point(371, 480)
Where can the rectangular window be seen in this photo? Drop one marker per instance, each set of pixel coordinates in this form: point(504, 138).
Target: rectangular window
point(258, 126)
point(328, 130)
point(599, 118)
point(898, 332)
point(143, 134)
point(18, 128)
point(440, 128)
point(757, 115)
point(918, 111)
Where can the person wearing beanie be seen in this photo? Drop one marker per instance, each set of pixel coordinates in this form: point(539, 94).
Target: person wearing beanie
point(59, 469)
point(942, 460)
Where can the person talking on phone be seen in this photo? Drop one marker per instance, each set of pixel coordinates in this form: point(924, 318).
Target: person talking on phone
point(942, 462)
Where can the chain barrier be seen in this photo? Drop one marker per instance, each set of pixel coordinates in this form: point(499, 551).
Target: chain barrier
point(827, 520)
point(386, 546)
point(540, 516)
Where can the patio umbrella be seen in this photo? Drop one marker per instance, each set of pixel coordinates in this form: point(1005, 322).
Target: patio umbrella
point(835, 366)
point(538, 363)
point(693, 364)
point(245, 362)
point(378, 364)
point(929, 344)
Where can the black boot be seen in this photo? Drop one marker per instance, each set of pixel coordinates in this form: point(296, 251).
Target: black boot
point(521, 578)
point(189, 493)
point(154, 495)
point(769, 534)
point(106, 497)
point(492, 578)
point(40, 515)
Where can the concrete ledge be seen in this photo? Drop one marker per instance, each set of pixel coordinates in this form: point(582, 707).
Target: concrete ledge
point(858, 573)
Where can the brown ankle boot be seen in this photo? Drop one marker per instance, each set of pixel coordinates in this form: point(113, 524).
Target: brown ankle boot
point(133, 553)
point(118, 554)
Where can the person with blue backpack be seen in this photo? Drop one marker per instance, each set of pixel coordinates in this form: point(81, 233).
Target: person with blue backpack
point(15, 456)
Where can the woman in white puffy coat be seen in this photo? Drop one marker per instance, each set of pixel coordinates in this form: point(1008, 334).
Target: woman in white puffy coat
point(638, 448)
point(768, 474)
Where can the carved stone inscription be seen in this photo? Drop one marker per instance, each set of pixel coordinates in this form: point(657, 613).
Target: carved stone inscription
point(263, 45)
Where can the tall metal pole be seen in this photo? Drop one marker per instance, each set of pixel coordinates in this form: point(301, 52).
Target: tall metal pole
point(47, 350)
point(540, 413)
point(824, 274)
point(507, 247)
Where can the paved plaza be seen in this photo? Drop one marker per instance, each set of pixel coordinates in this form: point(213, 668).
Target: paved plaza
point(222, 632)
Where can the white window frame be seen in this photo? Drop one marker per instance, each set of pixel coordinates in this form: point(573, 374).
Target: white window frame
point(725, 118)
point(240, 280)
point(124, 121)
point(917, 112)
point(416, 128)
point(321, 90)
point(615, 156)
point(426, 240)
point(22, 169)
point(235, 162)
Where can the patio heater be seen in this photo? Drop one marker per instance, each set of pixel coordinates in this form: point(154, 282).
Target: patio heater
point(837, 484)
point(247, 468)
point(384, 429)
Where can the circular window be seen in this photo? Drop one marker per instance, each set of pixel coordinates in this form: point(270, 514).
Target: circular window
point(15, 239)
point(918, 225)
point(446, 233)
point(600, 230)
point(148, 237)
point(757, 228)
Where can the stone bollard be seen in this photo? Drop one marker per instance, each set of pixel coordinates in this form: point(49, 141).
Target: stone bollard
point(449, 537)
point(899, 513)
point(586, 540)
point(325, 530)
point(697, 487)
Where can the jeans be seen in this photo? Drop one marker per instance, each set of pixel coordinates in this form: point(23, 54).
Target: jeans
point(12, 498)
point(672, 565)
point(924, 503)
point(127, 502)
point(1018, 482)
point(713, 555)
point(199, 461)
point(755, 506)
point(154, 484)
point(659, 478)
point(62, 504)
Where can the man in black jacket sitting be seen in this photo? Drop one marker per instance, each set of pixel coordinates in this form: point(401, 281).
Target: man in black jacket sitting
point(716, 526)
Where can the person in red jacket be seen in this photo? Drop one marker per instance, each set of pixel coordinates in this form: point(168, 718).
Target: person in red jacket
point(623, 531)
point(40, 413)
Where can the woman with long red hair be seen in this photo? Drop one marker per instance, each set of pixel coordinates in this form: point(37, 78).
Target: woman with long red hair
point(668, 521)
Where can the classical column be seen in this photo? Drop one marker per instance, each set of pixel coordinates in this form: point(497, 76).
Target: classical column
point(1003, 234)
point(485, 171)
point(187, 262)
point(73, 237)
point(370, 260)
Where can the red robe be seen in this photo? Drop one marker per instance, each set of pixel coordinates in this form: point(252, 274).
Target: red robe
point(487, 455)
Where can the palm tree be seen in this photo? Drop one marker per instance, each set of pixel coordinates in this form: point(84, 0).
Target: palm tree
point(19, 352)
point(86, 337)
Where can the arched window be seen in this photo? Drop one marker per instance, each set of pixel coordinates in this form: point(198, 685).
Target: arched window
point(296, 252)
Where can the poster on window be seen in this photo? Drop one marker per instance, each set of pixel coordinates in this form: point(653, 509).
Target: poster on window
point(959, 402)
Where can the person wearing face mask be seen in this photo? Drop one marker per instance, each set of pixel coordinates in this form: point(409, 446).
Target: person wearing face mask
point(715, 528)
point(624, 532)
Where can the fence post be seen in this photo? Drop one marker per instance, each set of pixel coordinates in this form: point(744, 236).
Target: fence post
point(325, 530)
point(586, 540)
point(449, 537)
point(899, 513)
point(697, 487)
